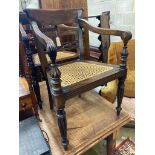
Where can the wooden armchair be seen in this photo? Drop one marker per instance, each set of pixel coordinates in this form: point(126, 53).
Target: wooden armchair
point(67, 51)
point(73, 78)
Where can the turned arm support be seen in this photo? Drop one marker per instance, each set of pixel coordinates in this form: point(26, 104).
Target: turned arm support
point(46, 41)
point(125, 35)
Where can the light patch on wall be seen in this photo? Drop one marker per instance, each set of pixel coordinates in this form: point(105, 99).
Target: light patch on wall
point(122, 14)
point(23, 4)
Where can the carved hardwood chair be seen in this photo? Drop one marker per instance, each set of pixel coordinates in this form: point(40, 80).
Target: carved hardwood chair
point(73, 78)
point(67, 50)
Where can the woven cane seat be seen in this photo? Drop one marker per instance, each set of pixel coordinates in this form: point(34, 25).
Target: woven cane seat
point(62, 55)
point(78, 71)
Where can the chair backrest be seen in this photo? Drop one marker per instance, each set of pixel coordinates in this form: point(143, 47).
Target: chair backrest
point(105, 39)
point(51, 31)
point(51, 19)
point(101, 53)
point(54, 16)
point(49, 22)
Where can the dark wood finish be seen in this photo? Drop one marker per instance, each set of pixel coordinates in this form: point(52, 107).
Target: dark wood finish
point(62, 123)
point(123, 67)
point(105, 39)
point(47, 17)
point(101, 53)
point(40, 4)
point(61, 94)
point(120, 94)
point(70, 4)
point(27, 97)
point(59, 103)
point(26, 49)
point(96, 53)
point(21, 72)
point(31, 49)
point(125, 35)
point(82, 86)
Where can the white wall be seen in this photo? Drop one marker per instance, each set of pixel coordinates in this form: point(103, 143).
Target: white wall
point(122, 15)
point(28, 4)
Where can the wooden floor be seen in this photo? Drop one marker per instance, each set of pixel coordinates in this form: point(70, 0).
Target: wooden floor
point(90, 119)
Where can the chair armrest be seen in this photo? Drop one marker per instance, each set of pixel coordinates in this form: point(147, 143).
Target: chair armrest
point(46, 41)
point(125, 35)
point(66, 27)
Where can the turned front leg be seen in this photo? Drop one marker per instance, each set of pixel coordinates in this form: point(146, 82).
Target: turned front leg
point(120, 94)
point(62, 123)
point(59, 103)
point(123, 67)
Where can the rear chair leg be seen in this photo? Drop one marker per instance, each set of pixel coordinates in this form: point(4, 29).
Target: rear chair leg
point(37, 91)
point(49, 95)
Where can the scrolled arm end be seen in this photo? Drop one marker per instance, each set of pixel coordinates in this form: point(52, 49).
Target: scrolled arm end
point(126, 36)
point(51, 51)
point(47, 42)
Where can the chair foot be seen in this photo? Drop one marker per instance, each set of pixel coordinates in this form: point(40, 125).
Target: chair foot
point(62, 124)
point(118, 110)
point(65, 144)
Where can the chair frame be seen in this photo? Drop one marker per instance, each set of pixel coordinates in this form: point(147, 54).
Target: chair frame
point(61, 94)
point(37, 73)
